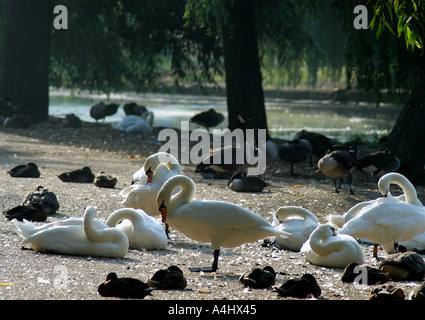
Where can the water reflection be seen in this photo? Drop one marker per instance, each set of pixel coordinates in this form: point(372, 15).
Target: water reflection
point(285, 117)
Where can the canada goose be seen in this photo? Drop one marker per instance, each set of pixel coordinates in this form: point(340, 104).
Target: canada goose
point(83, 175)
point(166, 279)
point(379, 163)
point(337, 165)
point(126, 288)
point(223, 224)
point(320, 143)
point(103, 180)
point(259, 278)
point(295, 151)
point(240, 182)
point(29, 170)
point(208, 119)
point(46, 198)
point(134, 108)
point(303, 287)
point(404, 266)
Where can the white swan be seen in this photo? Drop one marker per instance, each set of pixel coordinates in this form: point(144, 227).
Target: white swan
point(137, 124)
point(75, 236)
point(386, 221)
point(328, 249)
point(222, 224)
point(143, 231)
point(159, 167)
point(297, 221)
point(384, 183)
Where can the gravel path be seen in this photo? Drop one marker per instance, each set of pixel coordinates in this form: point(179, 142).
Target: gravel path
point(28, 275)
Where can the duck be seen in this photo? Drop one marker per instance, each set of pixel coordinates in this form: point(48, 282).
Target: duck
point(386, 292)
point(338, 164)
point(19, 121)
point(259, 278)
point(296, 151)
point(103, 180)
point(328, 249)
point(29, 170)
point(401, 266)
point(168, 279)
point(222, 224)
point(386, 221)
point(297, 221)
point(126, 288)
point(30, 212)
point(208, 119)
point(46, 198)
point(75, 236)
point(300, 287)
point(143, 231)
point(379, 163)
point(371, 275)
point(240, 182)
point(218, 160)
point(158, 168)
point(134, 108)
point(101, 110)
point(137, 124)
point(83, 175)
point(71, 121)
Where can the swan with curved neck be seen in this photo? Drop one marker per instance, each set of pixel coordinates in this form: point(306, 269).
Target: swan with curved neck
point(410, 195)
point(143, 231)
point(158, 168)
point(297, 221)
point(75, 236)
point(326, 248)
point(222, 224)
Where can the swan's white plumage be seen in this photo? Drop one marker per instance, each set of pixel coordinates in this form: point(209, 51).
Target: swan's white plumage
point(387, 221)
point(75, 236)
point(137, 124)
point(222, 224)
point(325, 248)
point(143, 196)
point(297, 221)
point(143, 231)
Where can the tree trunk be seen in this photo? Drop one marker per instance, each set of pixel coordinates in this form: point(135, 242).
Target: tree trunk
point(242, 67)
point(25, 65)
point(407, 139)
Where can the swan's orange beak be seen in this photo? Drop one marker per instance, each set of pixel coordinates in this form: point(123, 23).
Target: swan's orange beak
point(149, 173)
point(163, 210)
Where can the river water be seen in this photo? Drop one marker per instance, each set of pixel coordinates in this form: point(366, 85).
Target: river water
point(285, 117)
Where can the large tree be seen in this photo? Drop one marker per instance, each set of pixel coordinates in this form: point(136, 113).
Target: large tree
point(25, 58)
point(389, 56)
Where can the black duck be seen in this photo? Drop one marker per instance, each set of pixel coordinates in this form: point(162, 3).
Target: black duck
point(373, 276)
point(303, 287)
point(83, 175)
point(240, 182)
point(29, 170)
point(126, 288)
point(259, 278)
point(32, 212)
point(104, 180)
point(166, 279)
point(46, 198)
point(208, 119)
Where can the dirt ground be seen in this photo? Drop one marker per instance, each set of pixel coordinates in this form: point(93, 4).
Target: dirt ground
point(28, 275)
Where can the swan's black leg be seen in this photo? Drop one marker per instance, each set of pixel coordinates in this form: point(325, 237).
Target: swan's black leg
point(336, 187)
point(214, 266)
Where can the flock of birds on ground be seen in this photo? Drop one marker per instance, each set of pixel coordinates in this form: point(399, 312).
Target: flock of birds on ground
point(160, 189)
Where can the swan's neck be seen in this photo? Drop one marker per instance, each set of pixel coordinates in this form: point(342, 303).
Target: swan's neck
point(407, 187)
point(323, 244)
point(125, 214)
point(100, 235)
point(310, 220)
point(185, 195)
